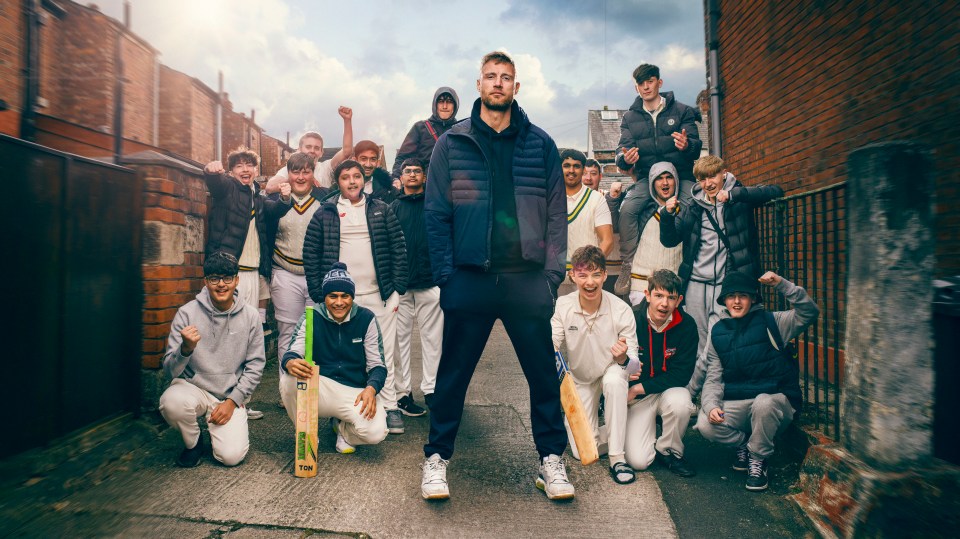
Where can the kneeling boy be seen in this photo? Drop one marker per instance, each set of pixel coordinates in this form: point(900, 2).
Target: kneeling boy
point(214, 370)
point(348, 352)
point(601, 338)
point(669, 346)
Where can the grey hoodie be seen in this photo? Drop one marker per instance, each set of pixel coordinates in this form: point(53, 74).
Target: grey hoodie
point(229, 359)
point(712, 257)
point(420, 140)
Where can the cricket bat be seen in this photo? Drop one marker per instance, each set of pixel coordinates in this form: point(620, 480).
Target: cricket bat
point(308, 394)
point(576, 417)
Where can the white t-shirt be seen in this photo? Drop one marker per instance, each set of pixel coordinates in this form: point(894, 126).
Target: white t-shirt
point(356, 250)
point(323, 172)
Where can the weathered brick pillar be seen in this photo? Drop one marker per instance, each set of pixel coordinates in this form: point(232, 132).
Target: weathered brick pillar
point(887, 404)
point(175, 207)
point(883, 480)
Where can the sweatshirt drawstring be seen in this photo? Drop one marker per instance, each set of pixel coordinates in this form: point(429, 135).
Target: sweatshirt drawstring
point(650, 347)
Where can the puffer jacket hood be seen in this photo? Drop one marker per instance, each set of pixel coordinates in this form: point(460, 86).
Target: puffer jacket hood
point(435, 118)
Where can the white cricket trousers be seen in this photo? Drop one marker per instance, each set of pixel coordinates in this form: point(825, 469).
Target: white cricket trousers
point(182, 403)
point(248, 287)
point(674, 406)
point(336, 400)
point(386, 313)
point(613, 386)
point(290, 298)
point(423, 307)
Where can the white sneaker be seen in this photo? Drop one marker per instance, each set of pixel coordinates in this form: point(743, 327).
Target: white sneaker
point(342, 446)
point(433, 486)
point(553, 479)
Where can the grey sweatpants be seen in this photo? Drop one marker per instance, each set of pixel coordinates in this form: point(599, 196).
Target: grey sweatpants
point(700, 302)
point(756, 421)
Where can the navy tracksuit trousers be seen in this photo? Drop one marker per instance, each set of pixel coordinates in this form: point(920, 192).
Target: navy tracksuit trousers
point(472, 301)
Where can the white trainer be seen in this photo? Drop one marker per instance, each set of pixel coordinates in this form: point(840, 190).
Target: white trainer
point(342, 446)
point(433, 486)
point(552, 479)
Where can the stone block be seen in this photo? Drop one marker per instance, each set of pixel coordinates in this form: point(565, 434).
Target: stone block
point(163, 243)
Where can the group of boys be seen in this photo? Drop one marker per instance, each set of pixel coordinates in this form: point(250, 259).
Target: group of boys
point(477, 232)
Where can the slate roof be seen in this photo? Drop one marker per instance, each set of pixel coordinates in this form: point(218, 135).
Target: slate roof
point(603, 135)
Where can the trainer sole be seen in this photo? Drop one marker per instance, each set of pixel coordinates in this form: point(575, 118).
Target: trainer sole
point(543, 486)
point(411, 414)
point(435, 496)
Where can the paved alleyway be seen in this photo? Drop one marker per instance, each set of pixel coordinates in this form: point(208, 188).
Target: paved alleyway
point(375, 491)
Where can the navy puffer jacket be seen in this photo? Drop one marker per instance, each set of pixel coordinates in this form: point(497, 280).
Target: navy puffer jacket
point(459, 204)
point(321, 248)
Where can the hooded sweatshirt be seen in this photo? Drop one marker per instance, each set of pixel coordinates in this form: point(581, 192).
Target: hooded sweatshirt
point(229, 359)
point(424, 134)
point(668, 356)
point(650, 254)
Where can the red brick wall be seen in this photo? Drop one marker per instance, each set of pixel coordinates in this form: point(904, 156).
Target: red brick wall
point(171, 196)
point(77, 139)
point(203, 127)
point(275, 154)
point(11, 63)
point(805, 83)
point(79, 71)
point(175, 98)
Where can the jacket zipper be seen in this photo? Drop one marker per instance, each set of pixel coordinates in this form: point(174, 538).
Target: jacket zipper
point(490, 173)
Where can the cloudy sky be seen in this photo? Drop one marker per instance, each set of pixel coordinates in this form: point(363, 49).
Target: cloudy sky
point(295, 61)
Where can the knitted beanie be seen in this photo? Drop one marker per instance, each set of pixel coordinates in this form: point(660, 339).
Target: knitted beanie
point(338, 280)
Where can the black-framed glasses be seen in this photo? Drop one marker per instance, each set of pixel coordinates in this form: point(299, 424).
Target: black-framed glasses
point(214, 279)
point(412, 171)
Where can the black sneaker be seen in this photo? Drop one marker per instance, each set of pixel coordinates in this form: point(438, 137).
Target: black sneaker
point(741, 460)
point(757, 474)
point(675, 463)
point(190, 458)
point(409, 407)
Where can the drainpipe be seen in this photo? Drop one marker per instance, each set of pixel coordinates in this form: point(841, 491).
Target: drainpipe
point(713, 42)
point(31, 88)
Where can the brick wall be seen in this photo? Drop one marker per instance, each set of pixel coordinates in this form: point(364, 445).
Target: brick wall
point(78, 72)
point(11, 64)
point(805, 83)
point(175, 207)
point(275, 154)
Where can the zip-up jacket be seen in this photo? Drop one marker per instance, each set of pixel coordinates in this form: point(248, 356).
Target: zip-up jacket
point(668, 357)
point(425, 133)
point(409, 211)
point(230, 214)
point(349, 352)
point(735, 217)
point(655, 142)
point(458, 207)
point(740, 359)
point(321, 248)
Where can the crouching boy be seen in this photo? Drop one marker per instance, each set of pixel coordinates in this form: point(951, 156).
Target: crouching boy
point(668, 348)
point(215, 357)
point(348, 350)
point(601, 338)
point(752, 388)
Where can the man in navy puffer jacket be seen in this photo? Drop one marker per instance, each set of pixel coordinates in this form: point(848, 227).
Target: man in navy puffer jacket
point(496, 222)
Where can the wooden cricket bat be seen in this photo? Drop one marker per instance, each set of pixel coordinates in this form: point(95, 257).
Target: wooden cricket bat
point(308, 394)
point(576, 417)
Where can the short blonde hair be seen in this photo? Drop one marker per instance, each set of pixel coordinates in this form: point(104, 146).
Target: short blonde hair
point(708, 165)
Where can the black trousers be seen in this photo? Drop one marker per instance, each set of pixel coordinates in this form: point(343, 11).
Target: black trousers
point(472, 301)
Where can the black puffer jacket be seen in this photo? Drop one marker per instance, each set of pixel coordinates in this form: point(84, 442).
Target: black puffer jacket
point(321, 248)
point(735, 218)
point(409, 211)
point(230, 218)
point(424, 134)
point(655, 143)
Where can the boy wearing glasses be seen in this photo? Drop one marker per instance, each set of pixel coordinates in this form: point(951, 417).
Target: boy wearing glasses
point(719, 236)
point(215, 357)
point(424, 134)
point(422, 300)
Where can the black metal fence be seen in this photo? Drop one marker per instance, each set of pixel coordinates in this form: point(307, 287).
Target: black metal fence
point(803, 238)
point(74, 293)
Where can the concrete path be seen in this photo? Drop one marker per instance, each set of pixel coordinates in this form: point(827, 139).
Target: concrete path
point(374, 492)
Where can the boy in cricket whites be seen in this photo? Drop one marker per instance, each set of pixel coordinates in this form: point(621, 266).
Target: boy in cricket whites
point(348, 351)
point(601, 337)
